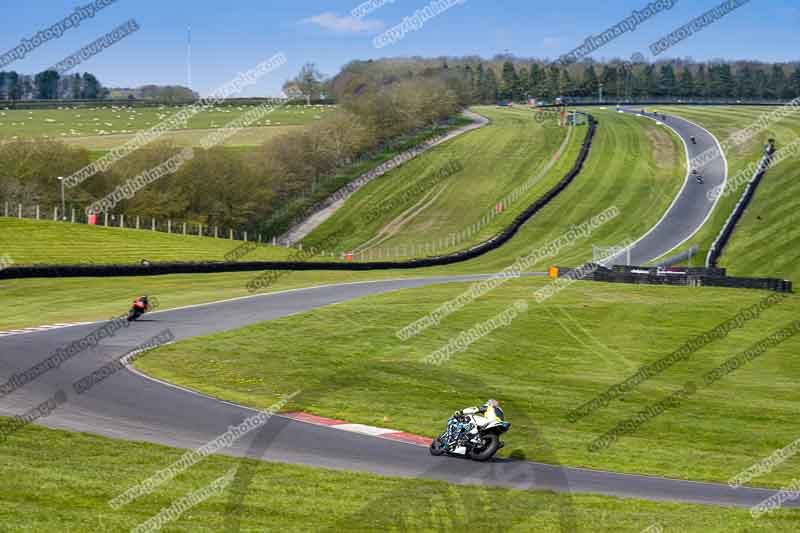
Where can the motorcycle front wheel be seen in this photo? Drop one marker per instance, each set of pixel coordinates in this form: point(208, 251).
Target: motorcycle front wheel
point(436, 448)
point(491, 445)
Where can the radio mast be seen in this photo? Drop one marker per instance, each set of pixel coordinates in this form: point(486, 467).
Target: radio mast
point(189, 57)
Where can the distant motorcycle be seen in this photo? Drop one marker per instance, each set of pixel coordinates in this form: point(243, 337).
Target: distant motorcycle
point(140, 307)
point(466, 438)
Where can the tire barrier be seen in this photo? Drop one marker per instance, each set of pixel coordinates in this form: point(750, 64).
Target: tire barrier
point(727, 230)
point(687, 277)
point(158, 269)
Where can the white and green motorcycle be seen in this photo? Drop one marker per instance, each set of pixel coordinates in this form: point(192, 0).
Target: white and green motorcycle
point(470, 435)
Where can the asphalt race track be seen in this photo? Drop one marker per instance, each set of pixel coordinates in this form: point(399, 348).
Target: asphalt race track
point(130, 406)
point(691, 207)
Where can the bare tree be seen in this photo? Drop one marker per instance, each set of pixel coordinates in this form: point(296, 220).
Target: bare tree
point(307, 83)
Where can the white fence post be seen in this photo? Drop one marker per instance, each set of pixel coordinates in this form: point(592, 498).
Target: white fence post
point(245, 236)
point(137, 222)
point(199, 230)
point(106, 220)
point(122, 221)
point(20, 211)
point(6, 211)
point(37, 212)
point(153, 223)
point(73, 215)
point(216, 232)
point(231, 234)
point(169, 225)
point(184, 229)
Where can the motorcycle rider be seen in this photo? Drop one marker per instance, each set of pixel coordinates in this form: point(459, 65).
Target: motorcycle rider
point(142, 303)
point(483, 415)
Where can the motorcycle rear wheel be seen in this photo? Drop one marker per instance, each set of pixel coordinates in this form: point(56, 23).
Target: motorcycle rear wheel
point(492, 444)
point(437, 448)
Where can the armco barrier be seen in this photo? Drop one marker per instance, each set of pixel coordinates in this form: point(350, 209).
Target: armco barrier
point(155, 269)
point(727, 230)
point(679, 258)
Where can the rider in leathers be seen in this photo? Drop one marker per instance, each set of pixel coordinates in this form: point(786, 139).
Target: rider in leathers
point(482, 415)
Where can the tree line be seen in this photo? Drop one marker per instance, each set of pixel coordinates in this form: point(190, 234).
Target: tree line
point(243, 189)
point(506, 78)
point(390, 103)
point(50, 85)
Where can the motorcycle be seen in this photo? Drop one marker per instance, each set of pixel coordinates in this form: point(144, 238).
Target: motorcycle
point(464, 437)
point(138, 309)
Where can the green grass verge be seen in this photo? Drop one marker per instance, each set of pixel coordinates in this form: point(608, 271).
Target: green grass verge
point(296, 209)
point(549, 361)
point(421, 205)
point(45, 242)
point(634, 166)
point(57, 481)
point(765, 240)
point(45, 301)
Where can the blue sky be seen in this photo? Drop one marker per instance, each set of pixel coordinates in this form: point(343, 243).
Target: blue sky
point(233, 36)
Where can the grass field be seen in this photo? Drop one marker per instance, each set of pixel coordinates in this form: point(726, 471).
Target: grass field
point(246, 137)
point(635, 166)
point(31, 242)
point(547, 362)
point(766, 239)
point(419, 207)
point(56, 481)
point(621, 171)
point(640, 184)
point(104, 128)
point(40, 301)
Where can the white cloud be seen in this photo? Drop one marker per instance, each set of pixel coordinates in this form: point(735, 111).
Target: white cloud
point(332, 21)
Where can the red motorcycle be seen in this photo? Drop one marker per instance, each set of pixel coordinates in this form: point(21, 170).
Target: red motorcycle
point(140, 307)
